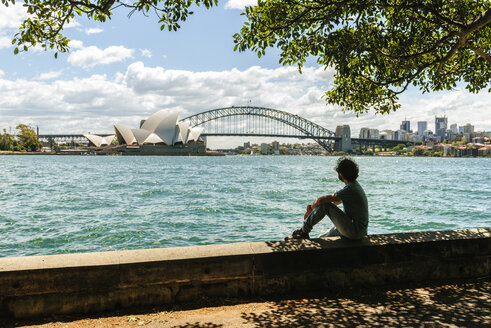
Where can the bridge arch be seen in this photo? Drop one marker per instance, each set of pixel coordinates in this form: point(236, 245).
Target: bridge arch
point(321, 135)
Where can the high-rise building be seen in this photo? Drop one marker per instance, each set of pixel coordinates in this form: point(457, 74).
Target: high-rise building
point(364, 133)
point(400, 135)
point(427, 134)
point(387, 135)
point(468, 131)
point(454, 129)
point(373, 134)
point(440, 126)
point(264, 148)
point(422, 127)
point(468, 128)
point(406, 126)
point(275, 145)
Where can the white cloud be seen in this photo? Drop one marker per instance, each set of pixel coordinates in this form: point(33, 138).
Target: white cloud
point(10, 19)
point(71, 24)
point(2, 73)
point(240, 4)
point(48, 75)
point(76, 44)
point(145, 53)
point(11, 16)
point(92, 56)
point(97, 102)
point(94, 30)
point(282, 88)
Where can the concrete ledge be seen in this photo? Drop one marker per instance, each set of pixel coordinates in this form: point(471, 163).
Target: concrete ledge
point(93, 282)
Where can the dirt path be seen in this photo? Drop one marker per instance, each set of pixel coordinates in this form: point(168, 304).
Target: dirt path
point(454, 305)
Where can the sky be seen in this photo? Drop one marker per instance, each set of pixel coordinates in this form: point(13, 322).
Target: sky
point(125, 69)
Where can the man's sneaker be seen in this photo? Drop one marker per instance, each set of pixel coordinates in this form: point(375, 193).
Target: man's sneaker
point(298, 234)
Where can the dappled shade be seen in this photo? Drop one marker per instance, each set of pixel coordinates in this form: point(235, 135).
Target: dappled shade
point(377, 240)
point(459, 305)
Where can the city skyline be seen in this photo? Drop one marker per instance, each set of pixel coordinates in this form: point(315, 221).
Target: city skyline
point(406, 126)
point(125, 69)
point(442, 130)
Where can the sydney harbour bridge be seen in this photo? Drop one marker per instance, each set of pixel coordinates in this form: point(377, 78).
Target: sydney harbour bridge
point(257, 122)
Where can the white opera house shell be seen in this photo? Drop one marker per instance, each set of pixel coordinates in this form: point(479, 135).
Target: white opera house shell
point(160, 128)
point(99, 141)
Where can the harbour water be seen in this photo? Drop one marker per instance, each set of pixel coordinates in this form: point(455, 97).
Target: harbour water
point(65, 204)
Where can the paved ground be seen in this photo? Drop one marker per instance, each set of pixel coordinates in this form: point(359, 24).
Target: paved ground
point(464, 304)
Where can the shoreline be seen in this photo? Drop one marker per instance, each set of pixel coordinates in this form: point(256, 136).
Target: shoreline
point(80, 153)
point(218, 154)
point(214, 153)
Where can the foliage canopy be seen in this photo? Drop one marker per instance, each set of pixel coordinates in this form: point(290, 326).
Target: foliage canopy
point(7, 141)
point(28, 138)
point(377, 47)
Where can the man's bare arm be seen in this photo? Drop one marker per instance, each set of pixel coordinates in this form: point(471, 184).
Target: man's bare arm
point(322, 200)
point(327, 199)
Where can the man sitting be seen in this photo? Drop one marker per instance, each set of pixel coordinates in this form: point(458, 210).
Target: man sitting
point(353, 222)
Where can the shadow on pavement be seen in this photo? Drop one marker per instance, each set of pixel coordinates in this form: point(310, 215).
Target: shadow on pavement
point(460, 305)
point(199, 325)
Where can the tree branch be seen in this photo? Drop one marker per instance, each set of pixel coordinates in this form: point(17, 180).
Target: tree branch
point(441, 17)
point(107, 6)
point(409, 77)
point(481, 21)
point(85, 4)
point(479, 52)
point(62, 23)
point(460, 43)
point(414, 55)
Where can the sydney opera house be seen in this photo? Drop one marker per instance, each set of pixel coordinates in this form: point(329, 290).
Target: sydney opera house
point(160, 134)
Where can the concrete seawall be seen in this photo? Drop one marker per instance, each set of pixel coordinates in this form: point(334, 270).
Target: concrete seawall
point(94, 282)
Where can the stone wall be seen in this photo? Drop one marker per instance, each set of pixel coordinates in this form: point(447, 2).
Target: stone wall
point(94, 282)
point(190, 149)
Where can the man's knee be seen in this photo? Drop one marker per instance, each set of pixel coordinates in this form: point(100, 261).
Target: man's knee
point(327, 207)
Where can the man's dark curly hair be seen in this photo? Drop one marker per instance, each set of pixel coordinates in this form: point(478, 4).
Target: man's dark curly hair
point(348, 168)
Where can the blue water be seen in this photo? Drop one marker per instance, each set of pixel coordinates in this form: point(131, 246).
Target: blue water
point(64, 204)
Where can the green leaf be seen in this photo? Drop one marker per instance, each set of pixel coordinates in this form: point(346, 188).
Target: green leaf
point(377, 47)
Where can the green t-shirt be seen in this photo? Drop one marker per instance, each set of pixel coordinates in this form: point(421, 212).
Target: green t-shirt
point(355, 204)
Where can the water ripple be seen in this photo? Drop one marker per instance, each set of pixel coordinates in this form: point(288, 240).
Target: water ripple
point(66, 204)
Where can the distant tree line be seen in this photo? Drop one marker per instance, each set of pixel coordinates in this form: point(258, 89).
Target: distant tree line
point(25, 140)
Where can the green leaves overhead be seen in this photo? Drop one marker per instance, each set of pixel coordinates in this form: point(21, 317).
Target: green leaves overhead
point(378, 47)
point(47, 19)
